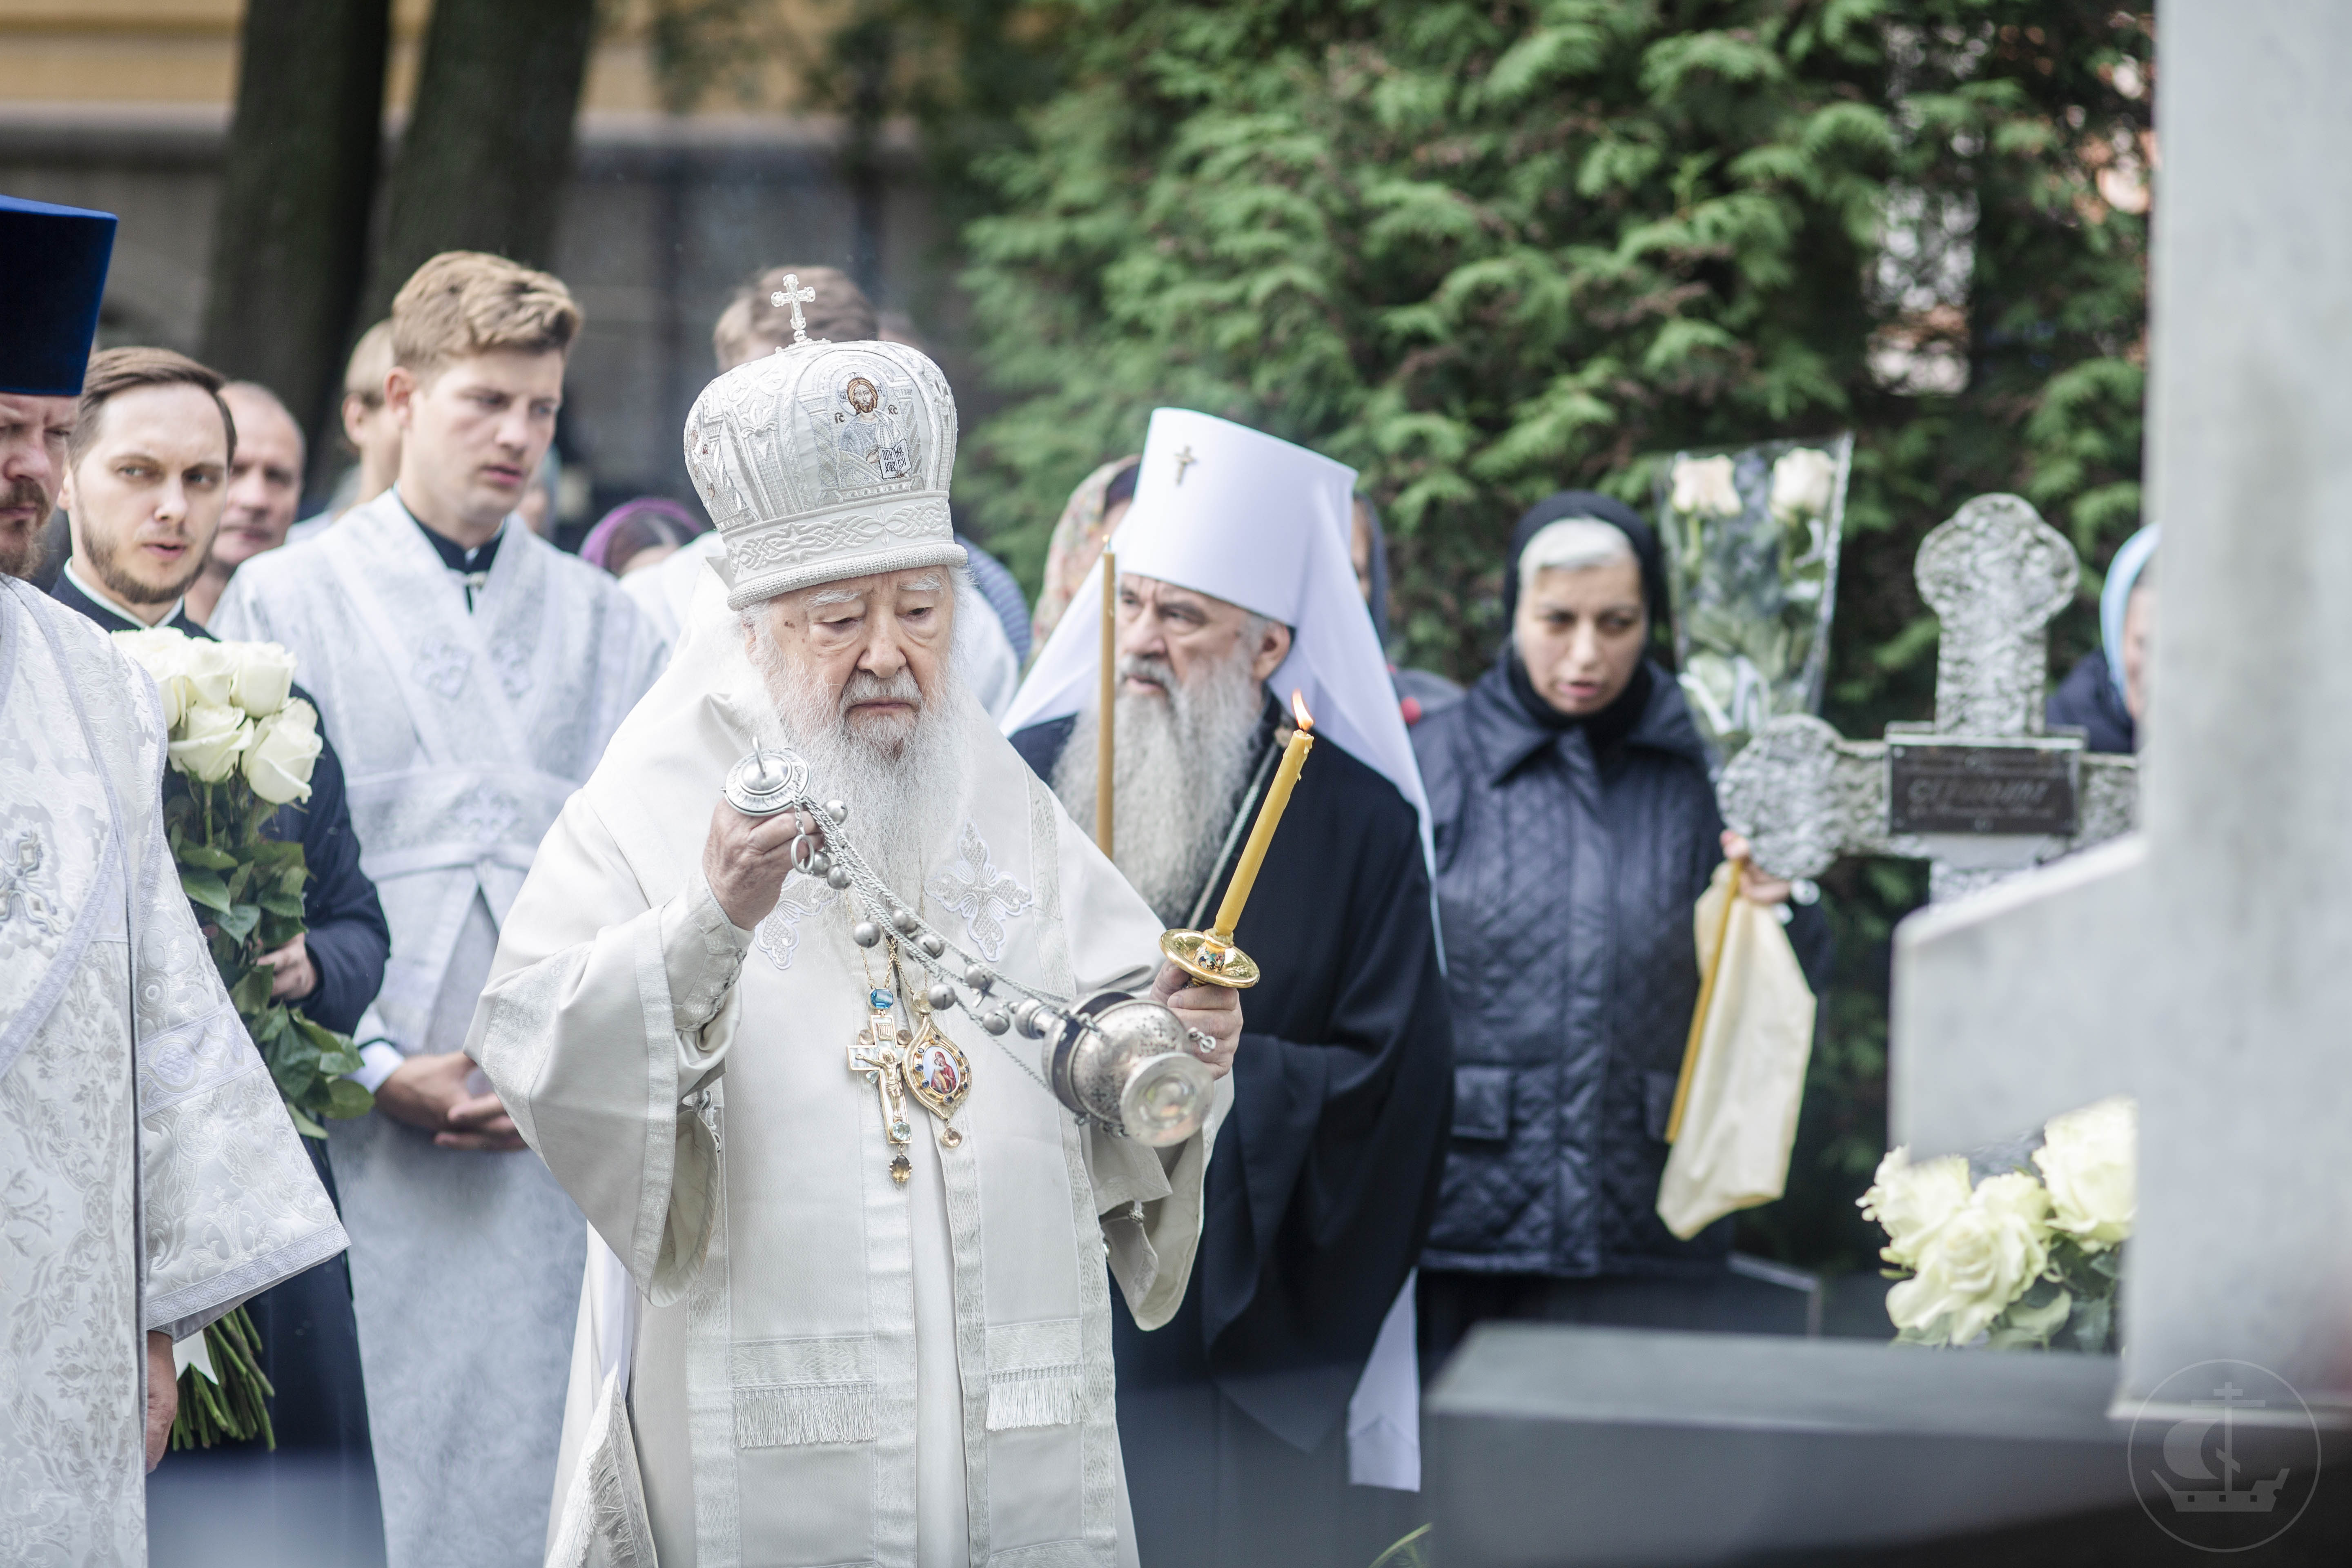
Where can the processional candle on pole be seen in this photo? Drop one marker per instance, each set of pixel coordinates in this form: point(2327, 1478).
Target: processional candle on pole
point(1211, 955)
point(1107, 729)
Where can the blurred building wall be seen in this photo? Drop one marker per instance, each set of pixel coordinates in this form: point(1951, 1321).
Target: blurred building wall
point(124, 105)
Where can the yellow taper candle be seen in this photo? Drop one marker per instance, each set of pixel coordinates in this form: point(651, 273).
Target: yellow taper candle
point(1277, 796)
point(1107, 729)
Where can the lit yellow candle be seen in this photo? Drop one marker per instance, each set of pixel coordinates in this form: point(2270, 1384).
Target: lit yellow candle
point(1277, 796)
point(1107, 707)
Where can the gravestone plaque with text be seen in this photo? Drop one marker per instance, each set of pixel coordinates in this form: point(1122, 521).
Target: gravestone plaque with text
point(2024, 788)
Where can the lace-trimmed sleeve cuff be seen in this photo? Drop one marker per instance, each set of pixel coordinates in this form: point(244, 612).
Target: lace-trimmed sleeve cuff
point(702, 951)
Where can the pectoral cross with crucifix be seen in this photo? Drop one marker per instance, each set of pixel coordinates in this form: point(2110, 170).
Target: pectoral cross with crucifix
point(792, 294)
point(1980, 794)
point(879, 1052)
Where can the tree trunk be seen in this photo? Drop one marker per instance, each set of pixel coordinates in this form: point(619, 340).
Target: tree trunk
point(488, 148)
point(298, 178)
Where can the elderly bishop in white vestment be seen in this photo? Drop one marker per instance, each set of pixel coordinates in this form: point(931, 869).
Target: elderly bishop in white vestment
point(467, 708)
point(829, 1336)
point(149, 1179)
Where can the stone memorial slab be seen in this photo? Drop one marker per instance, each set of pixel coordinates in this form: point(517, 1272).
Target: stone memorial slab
point(1559, 1446)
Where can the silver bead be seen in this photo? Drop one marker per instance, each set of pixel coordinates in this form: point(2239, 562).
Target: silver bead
point(977, 977)
point(838, 810)
point(942, 997)
point(931, 944)
point(866, 933)
point(838, 877)
point(1029, 1017)
point(996, 1020)
point(902, 920)
point(820, 863)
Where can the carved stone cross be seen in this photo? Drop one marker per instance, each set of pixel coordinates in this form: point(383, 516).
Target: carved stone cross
point(1981, 792)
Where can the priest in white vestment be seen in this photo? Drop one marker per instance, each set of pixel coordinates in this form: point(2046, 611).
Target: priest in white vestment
point(826, 1339)
point(469, 674)
point(149, 1180)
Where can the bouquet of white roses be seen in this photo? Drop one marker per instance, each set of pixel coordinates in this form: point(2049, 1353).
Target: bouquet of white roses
point(242, 745)
point(2025, 1257)
point(1751, 536)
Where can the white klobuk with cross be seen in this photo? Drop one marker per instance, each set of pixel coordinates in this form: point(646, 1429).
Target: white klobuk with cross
point(1981, 792)
point(2202, 964)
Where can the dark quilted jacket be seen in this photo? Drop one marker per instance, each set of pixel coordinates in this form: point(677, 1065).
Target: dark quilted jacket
point(1564, 894)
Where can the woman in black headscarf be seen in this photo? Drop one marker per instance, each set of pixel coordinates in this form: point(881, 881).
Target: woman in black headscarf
point(1576, 826)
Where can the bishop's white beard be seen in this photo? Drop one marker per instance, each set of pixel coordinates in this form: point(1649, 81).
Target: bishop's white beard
point(898, 777)
point(1180, 765)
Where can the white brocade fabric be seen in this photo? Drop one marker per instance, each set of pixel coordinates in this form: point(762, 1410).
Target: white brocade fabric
point(97, 949)
point(822, 1366)
point(461, 734)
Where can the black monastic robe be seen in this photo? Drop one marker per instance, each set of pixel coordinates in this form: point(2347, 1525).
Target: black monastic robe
point(1319, 1194)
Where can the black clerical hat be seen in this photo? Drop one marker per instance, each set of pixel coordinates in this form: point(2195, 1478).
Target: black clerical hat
point(52, 271)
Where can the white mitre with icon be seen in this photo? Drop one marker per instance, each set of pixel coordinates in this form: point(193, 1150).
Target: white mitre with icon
point(823, 461)
point(1252, 519)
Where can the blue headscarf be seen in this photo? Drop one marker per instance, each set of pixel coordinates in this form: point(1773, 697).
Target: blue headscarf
point(2123, 576)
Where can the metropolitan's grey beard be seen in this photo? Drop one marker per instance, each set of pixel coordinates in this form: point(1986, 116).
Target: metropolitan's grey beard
point(899, 778)
point(1180, 763)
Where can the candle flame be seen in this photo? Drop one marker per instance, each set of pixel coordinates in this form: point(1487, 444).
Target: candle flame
point(1299, 709)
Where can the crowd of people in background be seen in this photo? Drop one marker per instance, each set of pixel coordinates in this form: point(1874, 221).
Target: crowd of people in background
point(1453, 1088)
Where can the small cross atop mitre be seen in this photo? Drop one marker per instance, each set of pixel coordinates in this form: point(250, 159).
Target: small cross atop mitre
point(792, 294)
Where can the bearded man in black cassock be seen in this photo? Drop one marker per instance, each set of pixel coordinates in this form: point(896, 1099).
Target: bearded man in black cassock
point(1288, 1372)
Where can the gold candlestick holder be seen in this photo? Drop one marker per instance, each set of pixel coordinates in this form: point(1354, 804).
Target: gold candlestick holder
point(1209, 957)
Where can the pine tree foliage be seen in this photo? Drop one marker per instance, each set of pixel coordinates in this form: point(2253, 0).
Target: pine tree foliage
point(1486, 250)
point(1483, 251)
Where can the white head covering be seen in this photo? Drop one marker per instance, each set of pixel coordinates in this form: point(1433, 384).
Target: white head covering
point(1224, 511)
point(2114, 600)
point(823, 461)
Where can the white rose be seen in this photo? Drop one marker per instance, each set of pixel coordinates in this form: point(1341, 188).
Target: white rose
point(211, 672)
point(212, 738)
point(263, 675)
point(162, 652)
point(286, 746)
point(2089, 1161)
point(1704, 487)
point(1978, 1260)
point(1912, 1202)
point(1801, 483)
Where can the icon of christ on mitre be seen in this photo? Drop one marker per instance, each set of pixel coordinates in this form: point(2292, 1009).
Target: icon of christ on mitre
point(753, 1007)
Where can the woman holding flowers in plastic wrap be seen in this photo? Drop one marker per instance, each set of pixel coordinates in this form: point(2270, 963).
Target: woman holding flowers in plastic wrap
point(1576, 829)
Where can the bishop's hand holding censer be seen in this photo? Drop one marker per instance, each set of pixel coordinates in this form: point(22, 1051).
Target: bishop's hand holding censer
point(1125, 1063)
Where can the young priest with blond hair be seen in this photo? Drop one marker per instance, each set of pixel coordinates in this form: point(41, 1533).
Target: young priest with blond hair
point(471, 675)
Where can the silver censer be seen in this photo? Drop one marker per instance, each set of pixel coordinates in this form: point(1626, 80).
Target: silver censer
point(1119, 1061)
